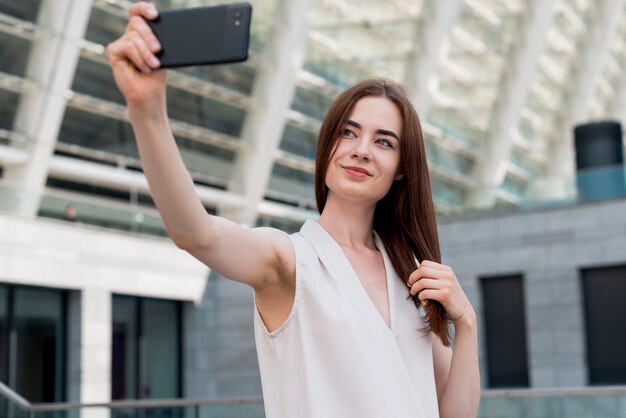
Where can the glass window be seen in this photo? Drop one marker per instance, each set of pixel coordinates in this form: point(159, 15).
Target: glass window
point(104, 27)
point(311, 103)
point(283, 224)
point(204, 112)
point(8, 108)
point(96, 79)
point(97, 132)
point(299, 142)
point(292, 186)
point(160, 342)
point(514, 186)
point(604, 292)
point(33, 342)
point(445, 158)
point(124, 351)
point(13, 54)
point(238, 77)
point(4, 319)
point(23, 9)
point(505, 329)
point(146, 333)
point(40, 333)
point(446, 193)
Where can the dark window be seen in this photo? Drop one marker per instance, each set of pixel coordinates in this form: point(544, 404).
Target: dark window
point(23, 9)
point(604, 292)
point(146, 352)
point(505, 328)
point(8, 108)
point(33, 342)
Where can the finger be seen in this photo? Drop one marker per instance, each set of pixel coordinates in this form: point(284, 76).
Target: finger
point(429, 272)
point(428, 294)
point(415, 276)
point(128, 50)
point(124, 51)
point(147, 57)
point(137, 24)
point(143, 8)
point(425, 284)
point(437, 266)
point(433, 272)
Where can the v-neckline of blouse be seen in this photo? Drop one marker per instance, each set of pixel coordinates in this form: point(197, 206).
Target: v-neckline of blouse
point(358, 284)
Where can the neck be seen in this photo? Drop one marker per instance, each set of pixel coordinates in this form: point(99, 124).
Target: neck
point(351, 225)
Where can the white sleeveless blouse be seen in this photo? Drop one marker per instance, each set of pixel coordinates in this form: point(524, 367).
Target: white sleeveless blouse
point(335, 356)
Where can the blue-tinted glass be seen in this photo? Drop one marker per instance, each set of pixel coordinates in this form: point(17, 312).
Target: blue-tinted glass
point(96, 79)
point(204, 112)
point(160, 339)
point(13, 54)
point(124, 348)
point(104, 27)
point(8, 107)
point(23, 9)
point(40, 347)
point(4, 334)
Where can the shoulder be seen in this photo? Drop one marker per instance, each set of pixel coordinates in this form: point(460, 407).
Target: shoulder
point(282, 249)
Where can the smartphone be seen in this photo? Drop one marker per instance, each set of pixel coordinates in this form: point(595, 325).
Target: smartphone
point(203, 35)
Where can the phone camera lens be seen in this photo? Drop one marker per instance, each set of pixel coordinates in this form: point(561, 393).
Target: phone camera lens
point(237, 23)
point(237, 15)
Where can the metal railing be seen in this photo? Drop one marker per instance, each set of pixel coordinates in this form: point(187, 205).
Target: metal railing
point(15, 406)
point(510, 403)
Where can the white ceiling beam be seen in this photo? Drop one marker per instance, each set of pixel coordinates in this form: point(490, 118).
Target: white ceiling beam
point(515, 86)
point(433, 32)
point(73, 169)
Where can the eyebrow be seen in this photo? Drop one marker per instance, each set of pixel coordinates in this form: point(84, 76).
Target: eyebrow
point(378, 131)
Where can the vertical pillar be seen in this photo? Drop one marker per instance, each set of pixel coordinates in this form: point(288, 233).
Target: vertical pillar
point(271, 99)
point(51, 64)
point(95, 350)
point(432, 35)
point(514, 88)
point(592, 58)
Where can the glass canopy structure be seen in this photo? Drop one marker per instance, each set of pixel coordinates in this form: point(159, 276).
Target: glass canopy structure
point(498, 87)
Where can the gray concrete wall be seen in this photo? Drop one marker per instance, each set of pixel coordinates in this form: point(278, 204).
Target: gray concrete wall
point(548, 247)
point(219, 352)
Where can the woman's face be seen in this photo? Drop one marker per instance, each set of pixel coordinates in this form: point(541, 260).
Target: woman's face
point(367, 154)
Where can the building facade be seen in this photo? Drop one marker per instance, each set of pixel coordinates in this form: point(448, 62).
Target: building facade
point(88, 278)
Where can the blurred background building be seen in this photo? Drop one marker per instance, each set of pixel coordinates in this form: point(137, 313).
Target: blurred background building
point(96, 304)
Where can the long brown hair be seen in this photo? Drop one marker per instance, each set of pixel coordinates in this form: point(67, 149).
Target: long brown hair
point(405, 218)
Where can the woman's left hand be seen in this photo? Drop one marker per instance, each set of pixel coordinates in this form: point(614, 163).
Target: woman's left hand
point(434, 281)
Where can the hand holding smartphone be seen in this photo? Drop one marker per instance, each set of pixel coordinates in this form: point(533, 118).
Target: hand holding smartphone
point(203, 35)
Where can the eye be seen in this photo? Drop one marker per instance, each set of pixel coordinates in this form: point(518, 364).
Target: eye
point(384, 143)
point(348, 133)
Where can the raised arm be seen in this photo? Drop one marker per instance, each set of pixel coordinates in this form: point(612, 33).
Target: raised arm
point(261, 257)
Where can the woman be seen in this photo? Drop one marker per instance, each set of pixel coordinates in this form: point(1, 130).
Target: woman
point(336, 330)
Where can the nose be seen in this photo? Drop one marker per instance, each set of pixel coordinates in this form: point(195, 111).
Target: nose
point(362, 150)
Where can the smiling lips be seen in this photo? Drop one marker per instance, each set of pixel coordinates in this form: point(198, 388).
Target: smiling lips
point(357, 171)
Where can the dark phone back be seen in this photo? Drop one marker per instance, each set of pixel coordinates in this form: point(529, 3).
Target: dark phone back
point(203, 35)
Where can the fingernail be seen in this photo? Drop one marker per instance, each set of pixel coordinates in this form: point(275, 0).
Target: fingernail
point(154, 61)
point(155, 44)
point(152, 12)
